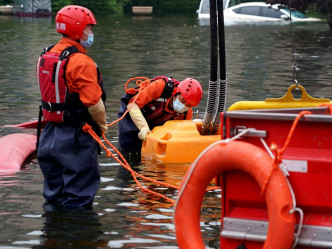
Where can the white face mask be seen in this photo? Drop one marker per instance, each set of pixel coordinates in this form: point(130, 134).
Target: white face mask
point(88, 43)
point(179, 106)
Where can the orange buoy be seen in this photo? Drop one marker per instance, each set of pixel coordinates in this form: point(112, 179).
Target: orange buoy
point(235, 155)
point(14, 149)
point(167, 143)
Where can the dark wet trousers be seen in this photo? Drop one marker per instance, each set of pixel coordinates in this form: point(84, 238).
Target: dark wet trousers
point(128, 136)
point(128, 132)
point(68, 158)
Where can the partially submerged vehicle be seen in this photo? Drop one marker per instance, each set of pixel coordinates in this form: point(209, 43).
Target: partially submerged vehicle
point(257, 11)
point(254, 11)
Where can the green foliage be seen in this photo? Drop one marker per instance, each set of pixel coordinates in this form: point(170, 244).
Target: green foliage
point(181, 6)
point(6, 2)
point(300, 5)
point(124, 6)
point(313, 11)
point(100, 6)
point(324, 6)
point(165, 6)
point(58, 4)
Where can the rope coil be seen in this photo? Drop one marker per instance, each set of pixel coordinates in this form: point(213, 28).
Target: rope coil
point(139, 82)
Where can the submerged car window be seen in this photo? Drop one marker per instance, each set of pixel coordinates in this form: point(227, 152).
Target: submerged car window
point(270, 12)
point(297, 14)
point(205, 7)
point(249, 10)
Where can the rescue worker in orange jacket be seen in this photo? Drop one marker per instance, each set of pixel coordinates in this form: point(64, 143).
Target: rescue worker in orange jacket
point(72, 94)
point(162, 100)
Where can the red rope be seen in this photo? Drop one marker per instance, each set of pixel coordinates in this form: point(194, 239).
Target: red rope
point(329, 107)
point(121, 160)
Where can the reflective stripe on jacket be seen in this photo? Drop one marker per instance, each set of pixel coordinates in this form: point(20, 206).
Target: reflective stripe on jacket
point(59, 105)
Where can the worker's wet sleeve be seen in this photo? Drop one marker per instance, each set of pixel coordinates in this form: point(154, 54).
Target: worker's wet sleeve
point(139, 120)
point(98, 115)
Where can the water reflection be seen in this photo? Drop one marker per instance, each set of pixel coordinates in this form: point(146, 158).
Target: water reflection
point(74, 228)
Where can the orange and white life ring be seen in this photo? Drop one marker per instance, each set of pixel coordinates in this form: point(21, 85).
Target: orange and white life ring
point(235, 155)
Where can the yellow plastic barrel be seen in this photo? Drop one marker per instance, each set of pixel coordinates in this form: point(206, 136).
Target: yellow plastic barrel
point(177, 141)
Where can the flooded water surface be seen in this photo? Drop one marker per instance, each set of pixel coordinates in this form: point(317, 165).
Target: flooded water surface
point(259, 61)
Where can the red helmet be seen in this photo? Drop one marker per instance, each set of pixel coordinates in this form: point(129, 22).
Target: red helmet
point(72, 20)
point(191, 90)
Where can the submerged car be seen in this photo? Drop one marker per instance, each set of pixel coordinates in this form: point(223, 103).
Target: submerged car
point(256, 11)
point(259, 11)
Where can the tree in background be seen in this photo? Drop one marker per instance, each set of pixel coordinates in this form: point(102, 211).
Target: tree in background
point(100, 6)
point(125, 6)
point(166, 6)
point(324, 6)
point(7, 2)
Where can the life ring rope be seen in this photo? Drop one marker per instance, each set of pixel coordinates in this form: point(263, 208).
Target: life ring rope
point(295, 208)
point(280, 152)
point(276, 154)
